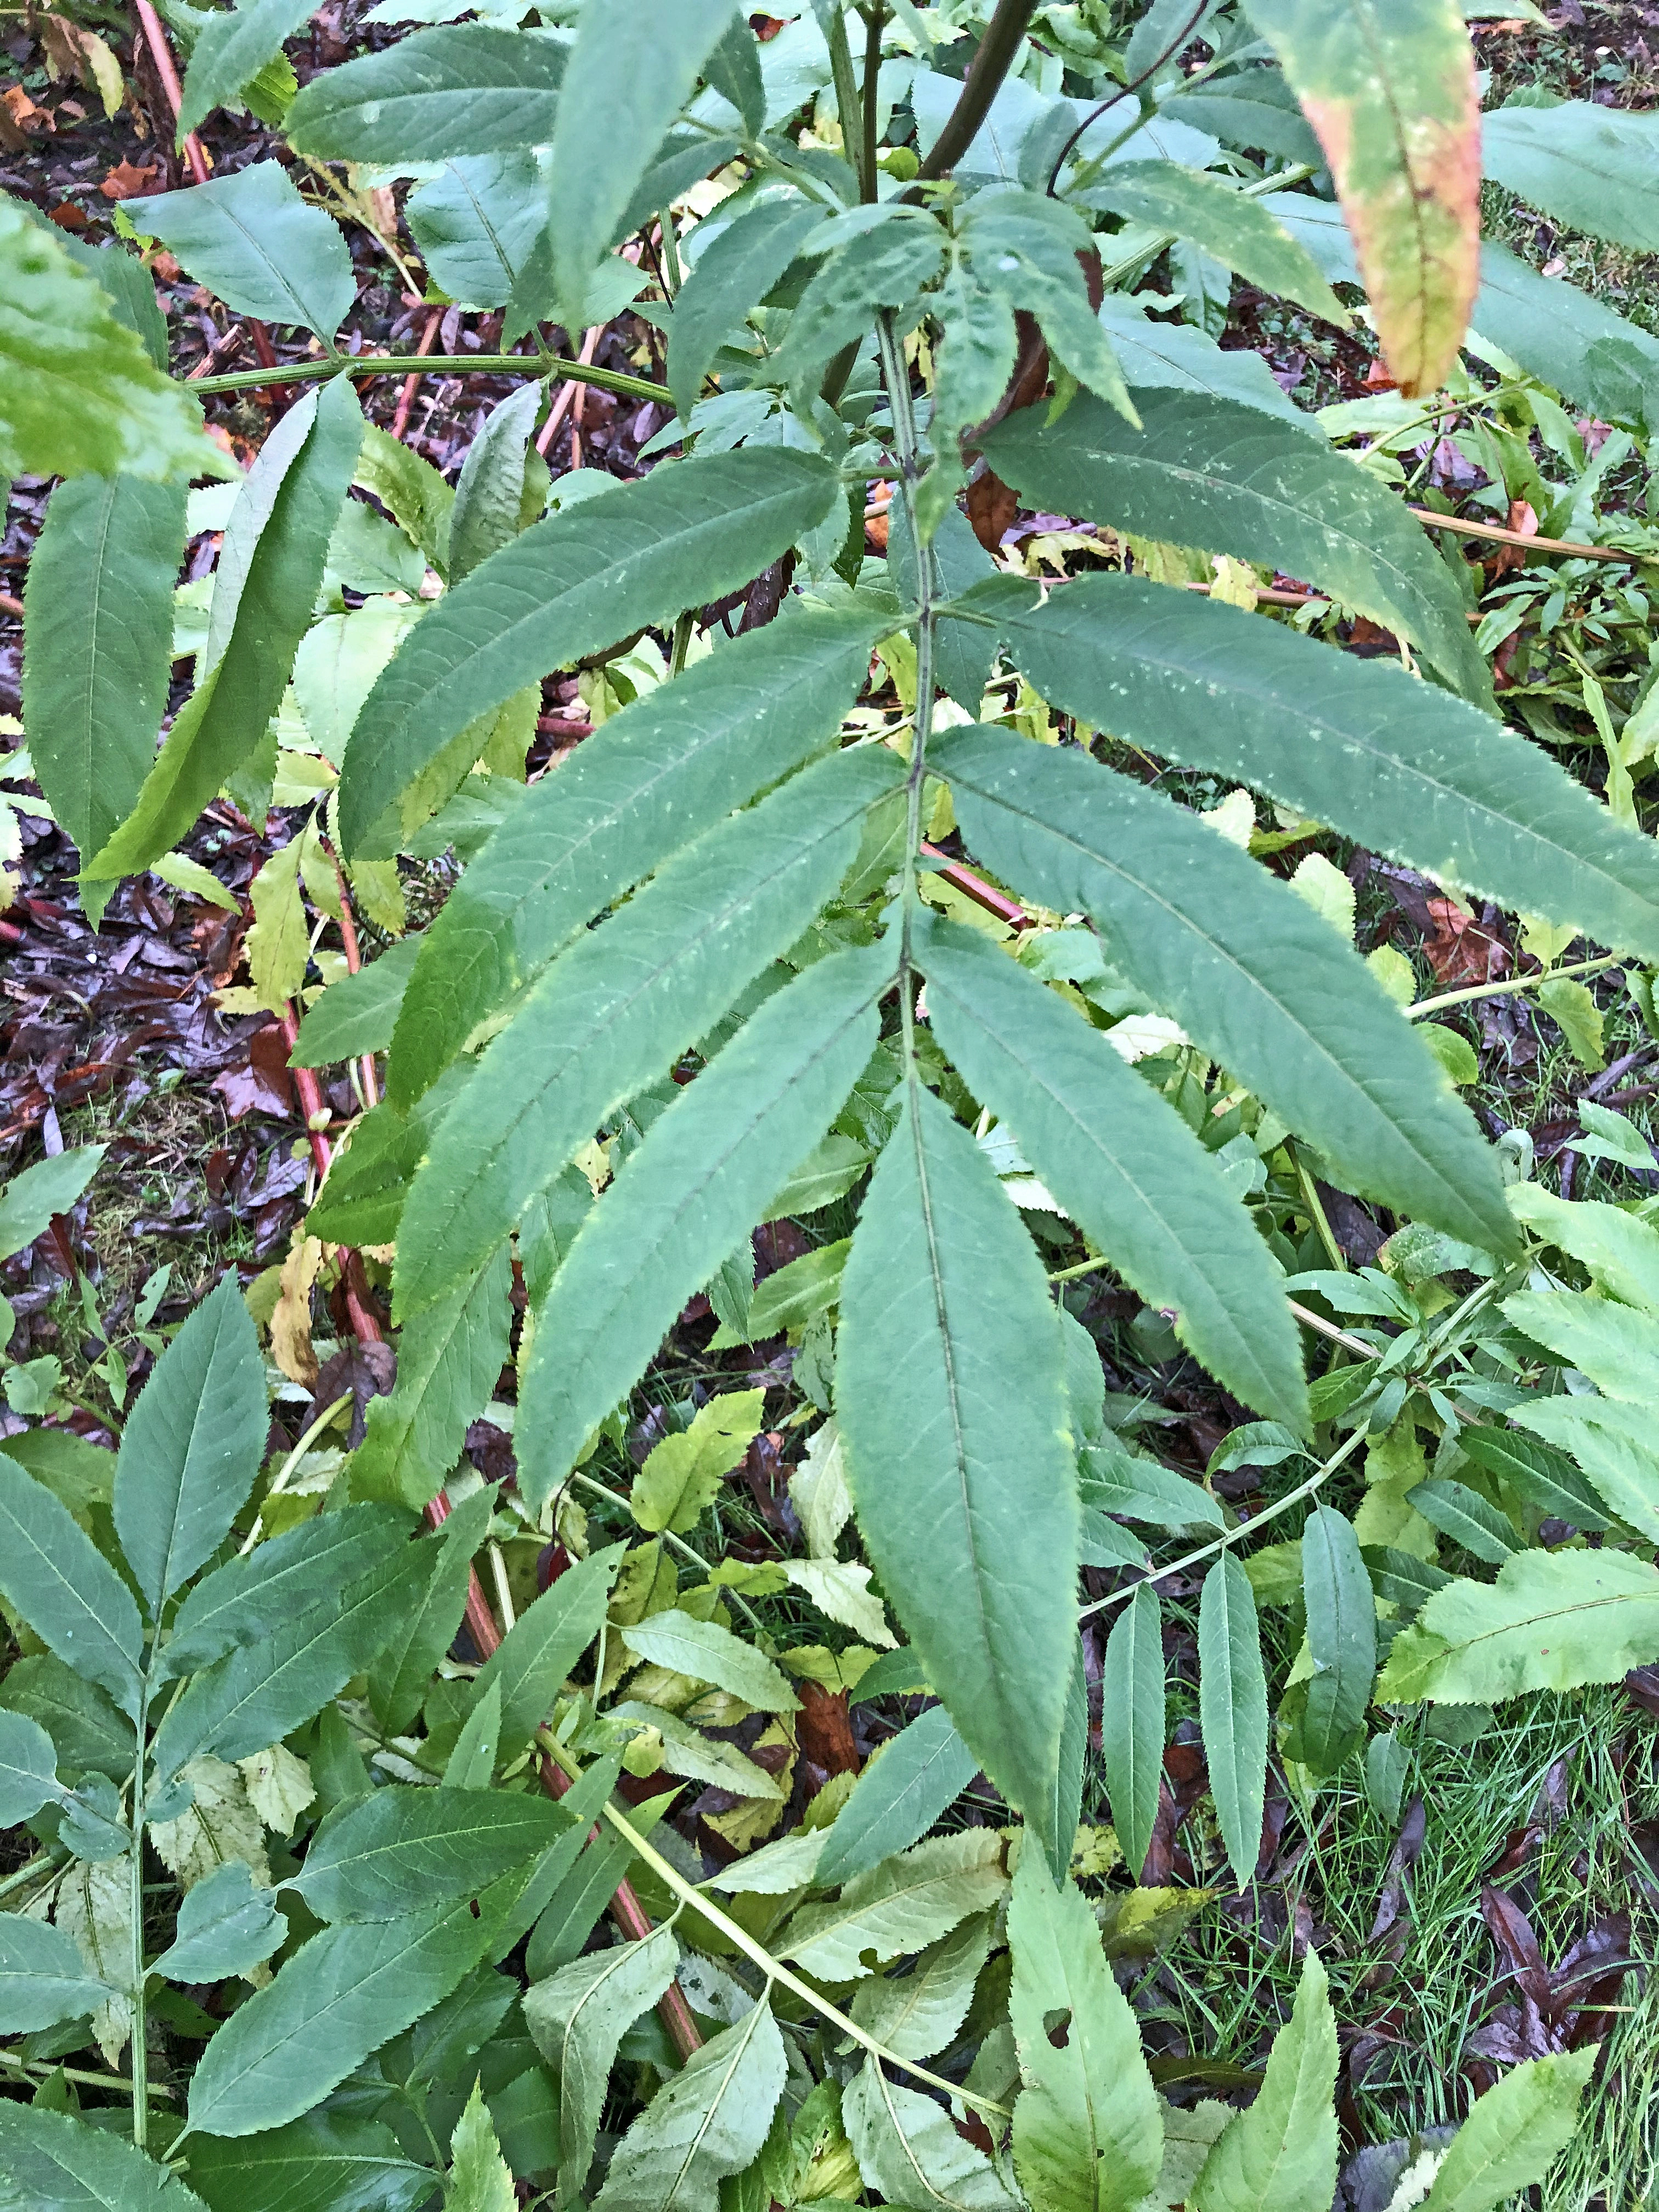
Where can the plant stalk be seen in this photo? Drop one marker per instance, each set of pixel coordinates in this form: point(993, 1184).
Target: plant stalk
point(1508, 986)
point(873, 23)
point(555, 365)
point(140, 2022)
point(995, 58)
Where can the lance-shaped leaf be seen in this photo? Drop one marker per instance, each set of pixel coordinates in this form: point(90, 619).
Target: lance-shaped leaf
point(622, 1006)
point(579, 2017)
point(1615, 1346)
point(257, 1693)
point(1279, 2154)
point(882, 267)
point(54, 1576)
point(1229, 479)
point(231, 49)
point(669, 767)
point(571, 585)
point(475, 223)
point(225, 1926)
point(1120, 1160)
point(59, 2162)
point(914, 2014)
point(1232, 1703)
point(1513, 2134)
point(1341, 1639)
point(1546, 1478)
point(707, 1170)
point(449, 1357)
point(1390, 87)
point(249, 1598)
point(462, 89)
point(1238, 231)
point(966, 1491)
point(28, 1769)
point(493, 487)
point(896, 1799)
point(1613, 1443)
point(633, 58)
point(251, 238)
point(400, 1850)
point(1031, 251)
point(910, 2152)
point(707, 2121)
point(1594, 168)
point(1359, 744)
point(900, 1905)
point(192, 1446)
point(1132, 1721)
point(398, 1680)
point(97, 645)
point(43, 1977)
point(709, 1653)
point(1088, 2136)
point(1568, 340)
point(737, 268)
point(324, 2158)
point(1248, 970)
point(341, 1996)
point(1552, 1620)
point(29, 1201)
point(270, 568)
point(357, 1013)
point(78, 391)
point(533, 1659)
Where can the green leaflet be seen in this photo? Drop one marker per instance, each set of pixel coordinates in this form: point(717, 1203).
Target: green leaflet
point(257, 1693)
point(1280, 2156)
point(341, 1996)
point(916, 2014)
point(708, 2121)
point(58, 2162)
point(1341, 1640)
point(707, 1171)
point(536, 1653)
point(1390, 90)
point(401, 1849)
point(587, 1868)
point(88, 1732)
point(411, 489)
point(1613, 1443)
point(1230, 479)
point(1590, 166)
point(231, 50)
point(1030, 250)
point(898, 1797)
point(43, 1977)
point(1616, 1346)
point(68, 1593)
point(966, 1492)
point(29, 1201)
point(28, 1768)
point(634, 57)
point(1116, 1480)
point(883, 267)
point(499, 479)
point(97, 637)
point(251, 238)
point(397, 1680)
point(78, 391)
point(462, 89)
point(1132, 1721)
point(1358, 744)
point(667, 767)
point(897, 1906)
point(908, 2149)
point(578, 2016)
point(1249, 970)
point(622, 1006)
point(737, 269)
point(1154, 351)
point(1232, 1703)
point(1512, 2134)
point(571, 585)
point(449, 1357)
point(1463, 1514)
point(1087, 2133)
point(1552, 1620)
point(358, 1013)
point(1544, 1477)
point(1218, 217)
point(476, 222)
point(1567, 339)
point(192, 1446)
point(480, 2179)
point(1120, 1160)
point(127, 285)
point(1620, 1251)
point(248, 1599)
point(709, 1653)
point(323, 2159)
point(269, 570)
point(225, 1927)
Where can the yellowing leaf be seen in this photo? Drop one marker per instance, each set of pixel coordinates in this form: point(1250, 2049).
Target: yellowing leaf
point(820, 1492)
point(1389, 89)
point(682, 1474)
point(279, 942)
point(279, 1786)
point(1327, 891)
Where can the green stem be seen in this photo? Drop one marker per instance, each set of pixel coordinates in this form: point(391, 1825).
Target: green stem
point(687, 1552)
point(1506, 989)
point(93, 2080)
point(871, 98)
point(849, 106)
point(557, 366)
point(688, 1894)
point(140, 2023)
point(20, 1878)
point(896, 376)
point(1343, 1452)
point(1280, 181)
